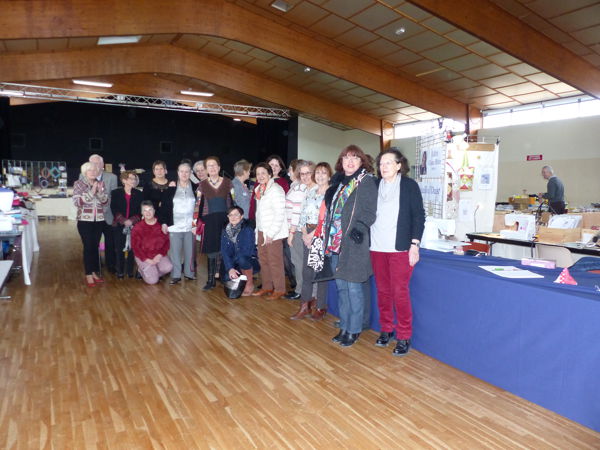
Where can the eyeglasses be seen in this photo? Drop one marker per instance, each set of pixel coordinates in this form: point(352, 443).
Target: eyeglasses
point(304, 173)
point(350, 158)
point(234, 215)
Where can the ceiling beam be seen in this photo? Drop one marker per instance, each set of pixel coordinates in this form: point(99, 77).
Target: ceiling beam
point(62, 18)
point(173, 60)
point(498, 27)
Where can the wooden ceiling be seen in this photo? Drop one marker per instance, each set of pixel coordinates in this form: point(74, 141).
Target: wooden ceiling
point(452, 59)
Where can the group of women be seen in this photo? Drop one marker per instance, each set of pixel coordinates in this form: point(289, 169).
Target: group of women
point(356, 224)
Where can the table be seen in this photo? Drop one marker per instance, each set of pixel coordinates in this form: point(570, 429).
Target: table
point(495, 238)
point(5, 267)
point(25, 241)
point(534, 338)
point(58, 206)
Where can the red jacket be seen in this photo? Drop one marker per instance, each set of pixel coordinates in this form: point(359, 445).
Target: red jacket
point(148, 240)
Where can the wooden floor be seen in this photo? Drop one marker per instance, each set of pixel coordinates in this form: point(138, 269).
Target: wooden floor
point(131, 366)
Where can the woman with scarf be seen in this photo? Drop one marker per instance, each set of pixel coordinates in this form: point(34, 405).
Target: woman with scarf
point(395, 239)
point(351, 202)
point(271, 230)
point(238, 249)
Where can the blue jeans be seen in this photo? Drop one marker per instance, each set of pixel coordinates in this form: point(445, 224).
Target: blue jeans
point(350, 302)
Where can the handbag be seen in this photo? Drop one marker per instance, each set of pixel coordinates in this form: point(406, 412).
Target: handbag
point(316, 252)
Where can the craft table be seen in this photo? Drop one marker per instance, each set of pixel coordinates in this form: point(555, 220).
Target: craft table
point(532, 337)
point(492, 239)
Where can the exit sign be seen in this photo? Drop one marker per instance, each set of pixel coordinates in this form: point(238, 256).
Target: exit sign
point(534, 157)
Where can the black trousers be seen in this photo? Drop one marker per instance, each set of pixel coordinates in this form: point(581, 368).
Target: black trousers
point(123, 265)
point(90, 233)
point(109, 247)
point(288, 266)
point(557, 207)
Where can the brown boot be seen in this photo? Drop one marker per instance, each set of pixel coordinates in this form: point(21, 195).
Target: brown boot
point(249, 289)
point(302, 312)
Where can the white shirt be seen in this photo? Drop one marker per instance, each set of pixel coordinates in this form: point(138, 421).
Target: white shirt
point(383, 231)
point(184, 202)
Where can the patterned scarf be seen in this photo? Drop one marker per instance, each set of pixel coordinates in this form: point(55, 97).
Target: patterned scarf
point(233, 231)
point(337, 206)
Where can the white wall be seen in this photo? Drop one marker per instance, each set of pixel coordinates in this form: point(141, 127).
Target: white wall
point(571, 147)
point(318, 142)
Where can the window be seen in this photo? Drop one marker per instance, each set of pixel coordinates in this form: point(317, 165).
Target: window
point(561, 109)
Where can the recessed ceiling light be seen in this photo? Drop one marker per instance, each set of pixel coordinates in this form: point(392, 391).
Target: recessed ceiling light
point(281, 5)
point(109, 40)
point(93, 83)
point(236, 119)
point(201, 94)
point(400, 31)
point(307, 69)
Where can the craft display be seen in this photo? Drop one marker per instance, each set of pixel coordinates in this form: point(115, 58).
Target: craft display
point(465, 175)
point(37, 175)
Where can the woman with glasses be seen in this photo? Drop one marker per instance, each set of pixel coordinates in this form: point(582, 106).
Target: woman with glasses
point(238, 249)
point(125, 206)
point(395, 239)
point(351, 202)
point(150, 244)
point(294, 200)
point(177, 216)
point(313, 295)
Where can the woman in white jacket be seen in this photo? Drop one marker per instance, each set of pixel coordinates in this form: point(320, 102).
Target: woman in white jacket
point(271, 229)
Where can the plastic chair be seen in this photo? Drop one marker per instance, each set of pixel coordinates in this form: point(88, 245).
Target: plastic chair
point(561, 255)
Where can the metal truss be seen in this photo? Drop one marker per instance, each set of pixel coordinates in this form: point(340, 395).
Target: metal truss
point(84, 96)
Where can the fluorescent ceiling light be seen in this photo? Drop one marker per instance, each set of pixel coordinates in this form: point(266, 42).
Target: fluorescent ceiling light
point(12, 93)
point(281, 5)
point(109, 40)
point(201, 94)
point(236, 119)
point(93, 83)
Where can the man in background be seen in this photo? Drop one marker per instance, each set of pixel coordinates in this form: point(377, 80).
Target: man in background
point(555, 191)
point(110, 183)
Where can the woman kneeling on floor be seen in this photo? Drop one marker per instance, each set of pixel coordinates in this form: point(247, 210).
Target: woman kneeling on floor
point(150, 246)
point(238, 249)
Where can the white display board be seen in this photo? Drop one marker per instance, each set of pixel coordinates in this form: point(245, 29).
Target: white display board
point(458, 182)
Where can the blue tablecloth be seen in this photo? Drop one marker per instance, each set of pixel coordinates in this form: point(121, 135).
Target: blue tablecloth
point(534, 338)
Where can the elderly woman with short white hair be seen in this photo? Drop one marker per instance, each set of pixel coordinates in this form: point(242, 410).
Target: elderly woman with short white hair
point(90, 197)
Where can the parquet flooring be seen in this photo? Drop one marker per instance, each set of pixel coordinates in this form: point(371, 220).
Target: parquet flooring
point(131, 366)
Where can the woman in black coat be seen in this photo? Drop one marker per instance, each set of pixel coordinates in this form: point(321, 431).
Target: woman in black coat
point(395, 239)
point(125, 205)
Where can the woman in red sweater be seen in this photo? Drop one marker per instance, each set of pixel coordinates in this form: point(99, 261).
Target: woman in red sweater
point(150, 246)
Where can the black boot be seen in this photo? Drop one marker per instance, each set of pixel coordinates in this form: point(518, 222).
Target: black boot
point(384, 339)
point(211, 269)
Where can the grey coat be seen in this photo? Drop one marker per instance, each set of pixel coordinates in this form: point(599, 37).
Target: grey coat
point(354, 261)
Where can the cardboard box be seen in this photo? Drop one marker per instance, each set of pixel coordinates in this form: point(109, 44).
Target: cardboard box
point(558, 235)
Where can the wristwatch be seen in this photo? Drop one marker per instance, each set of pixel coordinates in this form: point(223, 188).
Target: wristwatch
point(418, 244)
